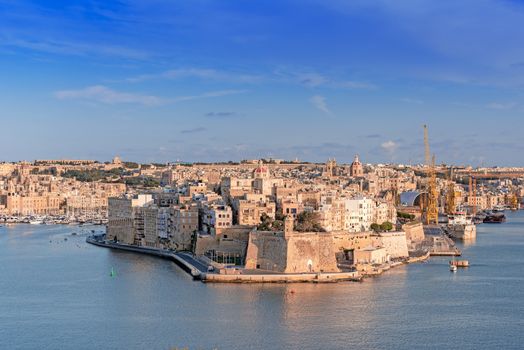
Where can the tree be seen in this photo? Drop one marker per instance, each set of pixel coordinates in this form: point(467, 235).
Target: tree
point(266, 223)
point(308, 222)
point(278, 225)
point(375, 227)
point(131, 165)
point(386, 226)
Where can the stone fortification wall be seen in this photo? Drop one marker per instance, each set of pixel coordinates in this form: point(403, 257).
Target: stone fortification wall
point(351, 240)
point(296, 253)
point(414, 232)
point(395, 243)
point(224, 245)
point(267, 251)
point(311, 252)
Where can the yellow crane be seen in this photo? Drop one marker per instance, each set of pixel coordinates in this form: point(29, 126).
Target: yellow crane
point(512, 199)
point(430, 208)
point(450, 195)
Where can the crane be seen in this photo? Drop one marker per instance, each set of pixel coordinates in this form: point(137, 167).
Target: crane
point(430, 208)
point(450, 194)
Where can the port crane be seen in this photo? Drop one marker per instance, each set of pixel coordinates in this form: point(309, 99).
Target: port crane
point(450, 194)
point(473, 194)
point(430, 207)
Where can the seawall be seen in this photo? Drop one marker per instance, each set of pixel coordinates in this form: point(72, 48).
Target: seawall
point(192, 270)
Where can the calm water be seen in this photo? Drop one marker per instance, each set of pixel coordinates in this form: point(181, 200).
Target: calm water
point(57, 294)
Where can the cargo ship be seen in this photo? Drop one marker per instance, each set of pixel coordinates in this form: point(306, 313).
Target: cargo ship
point(461, 226)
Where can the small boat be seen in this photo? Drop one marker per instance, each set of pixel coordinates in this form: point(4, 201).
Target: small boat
point(495, 218)
point(453, 268)
point(459, 263)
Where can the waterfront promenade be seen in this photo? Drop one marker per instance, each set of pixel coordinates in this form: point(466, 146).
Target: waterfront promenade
point(192, 266)
point(198, 269)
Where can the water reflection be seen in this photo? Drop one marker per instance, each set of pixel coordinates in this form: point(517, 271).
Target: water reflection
point(60, 289)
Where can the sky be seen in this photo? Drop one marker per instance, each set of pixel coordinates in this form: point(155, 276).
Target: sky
point(159, 81)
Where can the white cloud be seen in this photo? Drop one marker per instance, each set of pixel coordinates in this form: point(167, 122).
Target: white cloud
point(354, 85)
point(104, 94)
point(497, 105)
point(218, 93)
point(389, 146)
point(412, 100)
point(76, 49)
point(320, 103)
point(199, 73)
point(313, 79)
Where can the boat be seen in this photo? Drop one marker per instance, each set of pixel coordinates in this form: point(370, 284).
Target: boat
point(495, 218)
point(459, 263)
point(36, 222)
point(499, 209)
point(461, 226)
point(452, 268)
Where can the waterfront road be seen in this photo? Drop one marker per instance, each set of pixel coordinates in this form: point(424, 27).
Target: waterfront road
point(188, 257)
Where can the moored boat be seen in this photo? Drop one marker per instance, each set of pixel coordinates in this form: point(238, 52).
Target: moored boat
point(459, 263)
point(495, 218)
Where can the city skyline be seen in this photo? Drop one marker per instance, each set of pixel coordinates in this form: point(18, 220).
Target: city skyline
point(217, 81)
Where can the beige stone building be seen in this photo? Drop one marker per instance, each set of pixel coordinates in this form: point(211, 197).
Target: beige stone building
point(126, 219)
point(184, 223)
point(250, 211)
point(214, 218)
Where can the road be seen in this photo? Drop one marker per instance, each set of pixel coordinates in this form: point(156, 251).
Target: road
point(196, 263)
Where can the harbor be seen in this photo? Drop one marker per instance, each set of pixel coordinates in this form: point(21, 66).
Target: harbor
point(155, 294)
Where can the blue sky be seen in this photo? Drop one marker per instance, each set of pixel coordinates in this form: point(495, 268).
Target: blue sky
point(154, 80)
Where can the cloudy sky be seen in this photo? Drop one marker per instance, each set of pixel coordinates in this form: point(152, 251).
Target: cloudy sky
point(154, 80)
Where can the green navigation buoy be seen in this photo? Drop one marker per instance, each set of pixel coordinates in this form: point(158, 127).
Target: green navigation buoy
point(113, 273)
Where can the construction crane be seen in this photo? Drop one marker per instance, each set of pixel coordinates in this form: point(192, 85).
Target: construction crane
point(473, 194)
point(430, 208)
point(512, 198)
point(450, 194)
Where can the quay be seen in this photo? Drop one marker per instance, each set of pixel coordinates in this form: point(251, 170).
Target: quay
point(198, 270)
point(185, 261)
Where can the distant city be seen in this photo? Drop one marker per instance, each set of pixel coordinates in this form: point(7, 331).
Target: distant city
point(261, 219)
